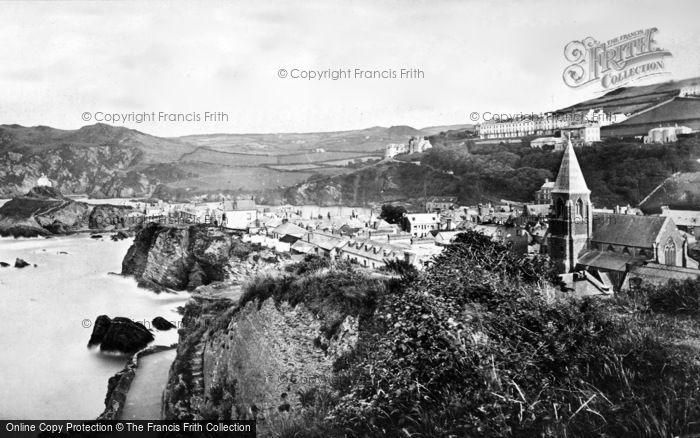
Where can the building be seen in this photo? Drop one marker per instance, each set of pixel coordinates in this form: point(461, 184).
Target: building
point(553, 143)
point(440, 203)
point(372, 254)
point(686, 220)
point(666, 134)
point(415, 145)
point(288, 231)
point(421, 224)
point(239, 214)
point(609, 247)
point(544, 194)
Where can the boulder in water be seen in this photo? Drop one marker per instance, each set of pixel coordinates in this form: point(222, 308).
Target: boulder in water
point(4, 264)
point(121, 335)
point(162, 324)
point(19, 263)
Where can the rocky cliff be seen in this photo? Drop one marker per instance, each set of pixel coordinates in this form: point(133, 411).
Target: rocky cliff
point(45, 211)
point(263, 360)
point(183, 258)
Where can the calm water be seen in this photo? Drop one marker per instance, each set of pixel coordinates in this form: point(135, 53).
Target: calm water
point(46, 369)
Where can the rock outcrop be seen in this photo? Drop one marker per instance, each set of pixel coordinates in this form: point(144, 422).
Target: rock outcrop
point(184, 258)
point(256, 361)
point(119, 335)
point(45, 211)
point(162, 324)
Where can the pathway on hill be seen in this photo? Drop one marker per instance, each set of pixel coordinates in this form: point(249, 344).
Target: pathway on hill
point(143, 402)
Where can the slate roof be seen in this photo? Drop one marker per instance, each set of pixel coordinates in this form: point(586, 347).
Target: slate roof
point(570, 178)
point(657, 273)
point(627, 229)
point(289, 228)
point(610, 261)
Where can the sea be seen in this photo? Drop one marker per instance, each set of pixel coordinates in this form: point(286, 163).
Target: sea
point(47, 371)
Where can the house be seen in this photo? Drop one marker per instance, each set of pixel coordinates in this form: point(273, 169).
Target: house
point(445, 237)
point(544, 194)
point(240, 214)
point(325, 245)
point(610, 247)
point(440, 203)
point(372, 254)
point(666, 134)
point(687, 220)
point(288, 232)
point(421, 224)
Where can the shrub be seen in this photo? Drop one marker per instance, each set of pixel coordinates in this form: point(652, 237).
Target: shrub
point(474, 349)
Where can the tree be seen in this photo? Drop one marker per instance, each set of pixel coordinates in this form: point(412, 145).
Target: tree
point(392, 213)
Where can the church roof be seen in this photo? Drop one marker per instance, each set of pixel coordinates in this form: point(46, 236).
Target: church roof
point(627, 229)
point(570, 178)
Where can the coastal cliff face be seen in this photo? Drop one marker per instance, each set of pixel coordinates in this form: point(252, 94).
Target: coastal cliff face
point(184, 258)
point(45, 211)
point(264, 360)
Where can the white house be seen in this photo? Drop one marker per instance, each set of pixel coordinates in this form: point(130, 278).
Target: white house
point(421, 224)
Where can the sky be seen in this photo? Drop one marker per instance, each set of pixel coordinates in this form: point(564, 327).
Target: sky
point(68, 64)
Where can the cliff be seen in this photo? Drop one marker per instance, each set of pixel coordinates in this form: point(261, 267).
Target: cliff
point(272, 353)
point(45, 211)
point(183, 258)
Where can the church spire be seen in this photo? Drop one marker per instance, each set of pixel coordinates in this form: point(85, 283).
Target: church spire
point(570, 178)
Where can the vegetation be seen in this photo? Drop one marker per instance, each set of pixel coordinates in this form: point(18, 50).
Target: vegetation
point(332, 293)
point(475, 348)
point(618, 172)
point(393, 214)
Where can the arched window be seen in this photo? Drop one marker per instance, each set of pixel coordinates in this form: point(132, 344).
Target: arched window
point(560, 208)
point(579, 208)
point(670, 253)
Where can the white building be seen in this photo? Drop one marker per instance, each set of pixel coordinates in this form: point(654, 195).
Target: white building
point(421, 224)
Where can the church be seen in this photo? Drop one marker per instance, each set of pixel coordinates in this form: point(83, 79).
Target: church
point(600, 253)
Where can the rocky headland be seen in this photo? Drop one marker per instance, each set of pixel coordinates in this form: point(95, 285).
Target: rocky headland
point(186, 257)
point(44, 211)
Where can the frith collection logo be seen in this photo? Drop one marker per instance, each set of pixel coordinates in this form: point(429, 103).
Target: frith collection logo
point(615, 62)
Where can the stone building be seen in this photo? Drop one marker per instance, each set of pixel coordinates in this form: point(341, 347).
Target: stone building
point(609, 249)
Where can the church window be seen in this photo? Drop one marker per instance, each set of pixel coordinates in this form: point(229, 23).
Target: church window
point(670, 253)
point(560, 208)
point(579, 208)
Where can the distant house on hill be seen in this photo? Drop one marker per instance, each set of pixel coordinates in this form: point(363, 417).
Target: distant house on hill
point(544, 194)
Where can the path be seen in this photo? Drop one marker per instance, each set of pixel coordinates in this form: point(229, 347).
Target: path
point(143, 402)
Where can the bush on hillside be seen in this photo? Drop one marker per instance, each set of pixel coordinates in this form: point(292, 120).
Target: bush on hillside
point(476, 349)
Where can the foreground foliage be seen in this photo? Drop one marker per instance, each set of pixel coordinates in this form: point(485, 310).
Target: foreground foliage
point(476, 348)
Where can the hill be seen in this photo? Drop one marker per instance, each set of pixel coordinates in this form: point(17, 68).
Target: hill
point(633, 99)
point(617, 173)
point(106, 161)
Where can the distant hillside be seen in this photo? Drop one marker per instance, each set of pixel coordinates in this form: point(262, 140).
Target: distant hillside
point(633, 99)
point(617, 173)
point(106, 161)
point(433, 130)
